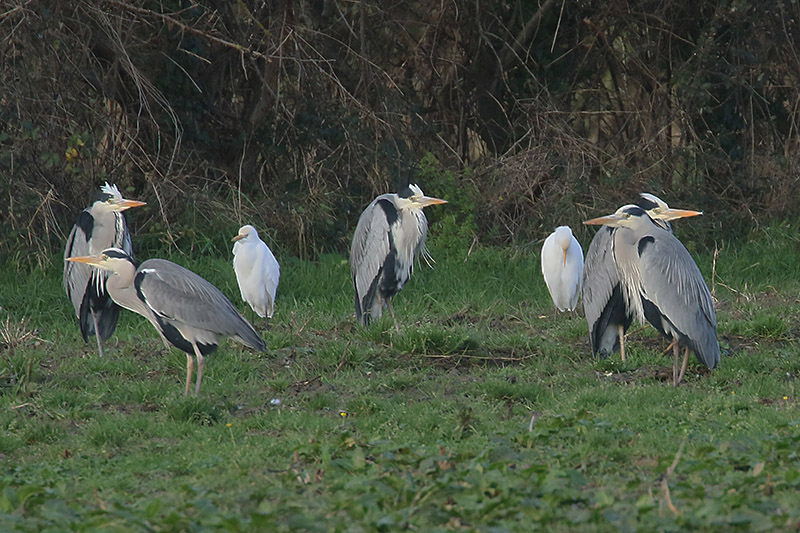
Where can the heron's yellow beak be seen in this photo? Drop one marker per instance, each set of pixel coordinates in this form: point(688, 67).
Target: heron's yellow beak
point(238, 237)
point(425, 201)
point(93, 260)
point(674, 214)
point(127, 204)
point(565, 258)
point(608, 219)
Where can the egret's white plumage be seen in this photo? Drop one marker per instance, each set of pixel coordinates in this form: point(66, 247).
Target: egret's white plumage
point(257, 271)
point(562, 268)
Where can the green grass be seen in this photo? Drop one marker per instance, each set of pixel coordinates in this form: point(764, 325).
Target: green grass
point(486, 411)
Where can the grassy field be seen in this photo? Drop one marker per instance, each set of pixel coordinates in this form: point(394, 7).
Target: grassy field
point(485, 412)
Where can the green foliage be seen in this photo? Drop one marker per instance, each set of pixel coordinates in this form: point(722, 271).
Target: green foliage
point(455, 225)
point(485, 412)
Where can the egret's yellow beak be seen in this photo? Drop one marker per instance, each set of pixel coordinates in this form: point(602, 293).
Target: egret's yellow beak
point(238, 237)
point(565, 258)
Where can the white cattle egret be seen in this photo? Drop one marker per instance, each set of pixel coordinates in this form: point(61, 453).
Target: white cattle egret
point(562, 268)
point(257, 271)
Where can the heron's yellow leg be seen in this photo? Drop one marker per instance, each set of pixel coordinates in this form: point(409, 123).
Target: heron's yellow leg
point(189, 371)
point(685, 363)
point(391, 312)
point(676, 356)
point(97, 332)
point(201, 365)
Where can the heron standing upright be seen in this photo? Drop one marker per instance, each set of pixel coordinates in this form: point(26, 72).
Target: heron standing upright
point(562, 268)
point(101, 225)
point(389, 237)
point(186, 310)
point(662, 284)
point(606, 314)
point(257, 271)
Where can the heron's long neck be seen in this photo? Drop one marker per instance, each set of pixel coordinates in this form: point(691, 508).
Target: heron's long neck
point(410, 241)
point(625, 253)
point(121, 289)
point(107, 231)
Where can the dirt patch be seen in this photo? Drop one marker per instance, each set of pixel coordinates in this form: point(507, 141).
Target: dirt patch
point(649, 373)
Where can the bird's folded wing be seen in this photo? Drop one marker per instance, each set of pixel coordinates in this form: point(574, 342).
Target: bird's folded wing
point(600, 275)
point(177, 293)
point(76, 275)
point(370, 248)
point(674, 283)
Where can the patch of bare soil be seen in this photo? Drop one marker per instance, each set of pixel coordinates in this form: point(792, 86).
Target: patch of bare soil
point(649, 373)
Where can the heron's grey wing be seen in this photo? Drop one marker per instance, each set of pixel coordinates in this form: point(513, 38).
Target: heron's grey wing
point(76, 275)
point(672, 281)
point(176, 293)
point(368, 254)
point(600, 277)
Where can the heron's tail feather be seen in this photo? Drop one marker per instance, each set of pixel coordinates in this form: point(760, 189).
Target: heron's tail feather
point(247, 335)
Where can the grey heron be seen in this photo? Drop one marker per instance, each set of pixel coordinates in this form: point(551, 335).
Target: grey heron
point(562, 268)
point(604, 308)
point(257, 271)
point(662, 284)
point(389, 237)
point(101, 225)
point(186, 310)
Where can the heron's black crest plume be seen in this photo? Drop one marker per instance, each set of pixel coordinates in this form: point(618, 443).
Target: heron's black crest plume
point(646, 204)
point(102, 196)
point(405, 192)
point(116, 253)
point(635, 211)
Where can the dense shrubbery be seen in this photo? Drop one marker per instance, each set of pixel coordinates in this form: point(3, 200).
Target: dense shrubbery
point(292, 115)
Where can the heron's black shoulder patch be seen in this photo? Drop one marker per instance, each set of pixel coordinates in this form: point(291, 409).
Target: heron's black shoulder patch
point(654, 315)
point(389, 210)
point(86, 223)
point(179, 341)
point(137, 284)
point(644, 242)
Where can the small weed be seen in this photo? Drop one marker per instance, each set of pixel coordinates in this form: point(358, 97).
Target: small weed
point(197, 410)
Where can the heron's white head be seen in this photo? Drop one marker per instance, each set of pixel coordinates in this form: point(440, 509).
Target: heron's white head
point(658, 208)
point(110, 199)
point(245, 232)
point(110, 259)
point(563, 239)
point(412, 197)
